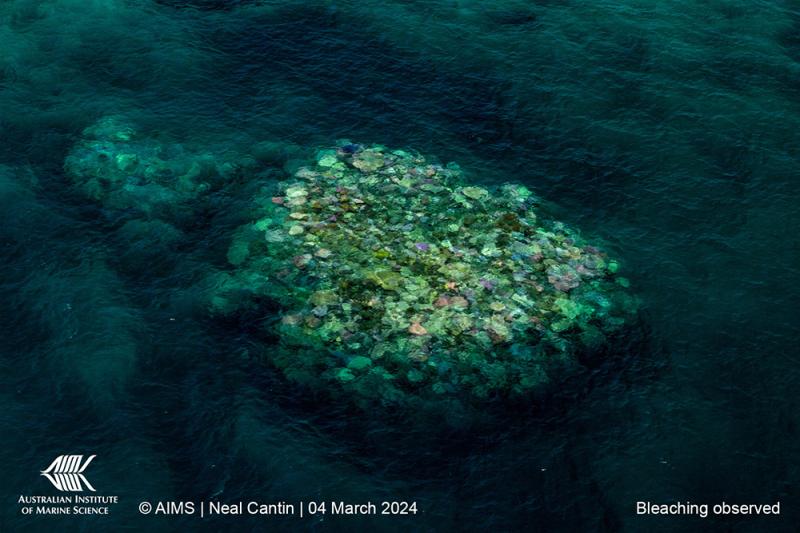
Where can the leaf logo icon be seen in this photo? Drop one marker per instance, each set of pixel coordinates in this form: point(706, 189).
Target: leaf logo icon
point(66, 473)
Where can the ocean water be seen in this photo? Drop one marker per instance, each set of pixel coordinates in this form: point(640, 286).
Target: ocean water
point(670, 130)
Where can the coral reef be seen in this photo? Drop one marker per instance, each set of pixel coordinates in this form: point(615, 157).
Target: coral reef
point(400, 281)
point(112, 163)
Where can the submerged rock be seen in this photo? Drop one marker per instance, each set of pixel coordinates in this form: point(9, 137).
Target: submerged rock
point(415, 284)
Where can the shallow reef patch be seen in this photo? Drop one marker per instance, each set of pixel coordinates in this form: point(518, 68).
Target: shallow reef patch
point(400, 281)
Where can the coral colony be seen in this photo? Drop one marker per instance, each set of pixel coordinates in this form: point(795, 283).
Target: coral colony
point(398, 280)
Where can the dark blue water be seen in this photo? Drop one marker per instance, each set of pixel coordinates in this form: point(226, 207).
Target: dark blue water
point(669, 130)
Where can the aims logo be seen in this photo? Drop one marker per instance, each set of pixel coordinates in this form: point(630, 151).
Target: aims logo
point(66, 473)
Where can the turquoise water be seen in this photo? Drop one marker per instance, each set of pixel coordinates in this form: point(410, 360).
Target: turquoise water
point(669, 130)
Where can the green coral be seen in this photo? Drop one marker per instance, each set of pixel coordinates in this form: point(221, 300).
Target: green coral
point(359, 363)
